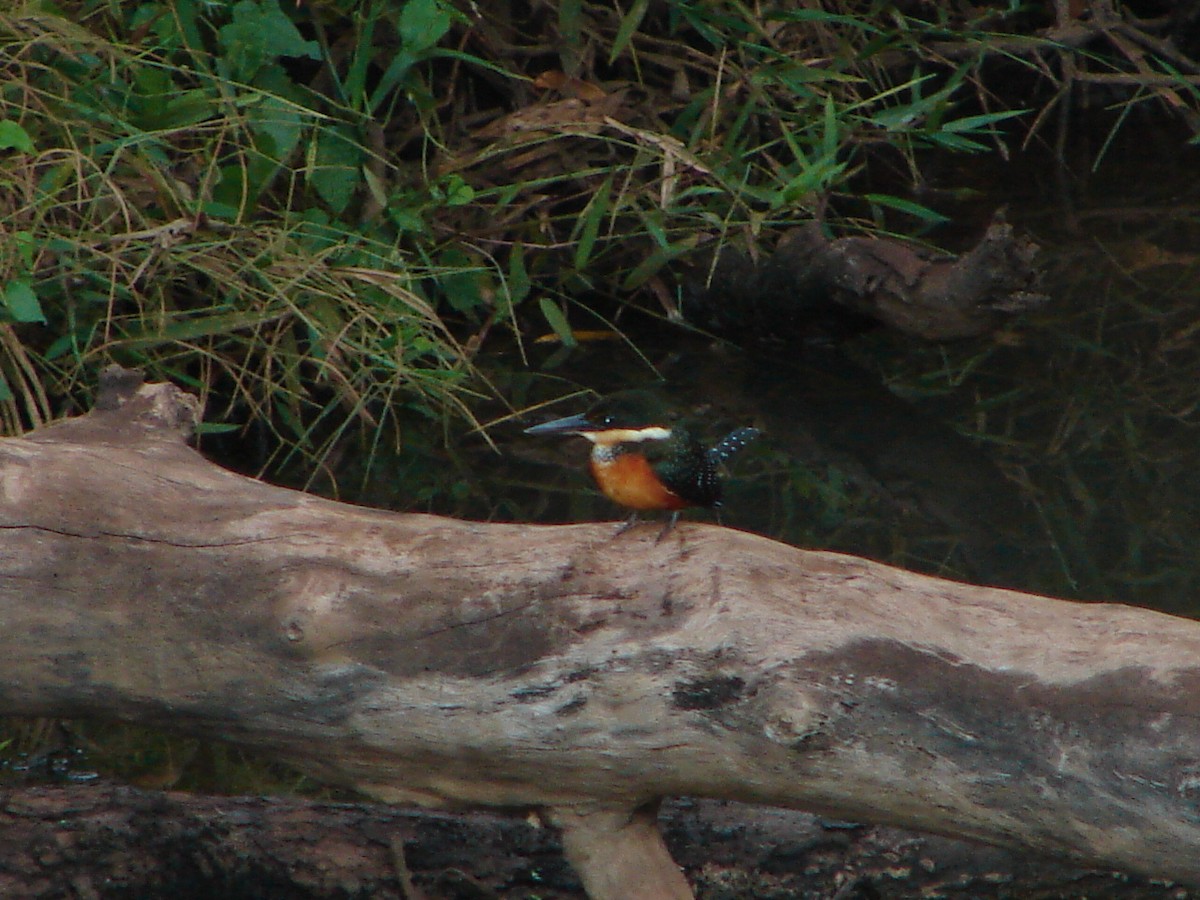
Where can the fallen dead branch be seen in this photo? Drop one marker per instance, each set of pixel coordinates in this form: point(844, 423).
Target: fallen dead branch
point(562, 670)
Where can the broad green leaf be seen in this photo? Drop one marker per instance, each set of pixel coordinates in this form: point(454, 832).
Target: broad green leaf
point(362, 52)
point(829, 138)
point(655, 228)
point(470, 59)
point(454, 191)
point(593, 213)
point(21, 301)
point(258, 34)
point(958, 142)
point(218, 209)
point(230, 193)
point(335, 163)
point(913, 86)
point(557, 321)
point(423, 23)
point(14, 137)
point(924, 213)
point(407, 219)
point(65, 344)
point(629, 26)
point(462, 282)
point(570, 17)
point(278, 125)
point(901, 118)
point(972, 123)
point(186, 108)
point(647, 268)
point(518, 276)
point(26, 245)
point(190, 328)
point(825, 18)
point(393, 77)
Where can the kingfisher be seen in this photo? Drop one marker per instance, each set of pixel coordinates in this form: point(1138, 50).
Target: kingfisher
point(643, 461)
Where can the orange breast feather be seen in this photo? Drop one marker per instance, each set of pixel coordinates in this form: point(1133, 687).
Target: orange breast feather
point(629, 480)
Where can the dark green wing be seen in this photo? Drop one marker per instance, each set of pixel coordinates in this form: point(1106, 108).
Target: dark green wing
point(685, 468)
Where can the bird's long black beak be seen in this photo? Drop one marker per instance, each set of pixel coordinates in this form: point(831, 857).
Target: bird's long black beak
point(566, 425)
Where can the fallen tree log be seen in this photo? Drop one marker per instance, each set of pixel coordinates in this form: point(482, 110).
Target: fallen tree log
point(107, 840)
point(813, 285)
point(586, 676)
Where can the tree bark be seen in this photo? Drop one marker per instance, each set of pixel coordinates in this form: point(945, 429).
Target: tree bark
point(455, 665)
point(105, 840)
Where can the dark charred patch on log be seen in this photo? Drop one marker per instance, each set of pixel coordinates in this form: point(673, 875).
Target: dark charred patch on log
point(572, 706)
point(580, 674)
point(532, 692)
point(708, 693)
point(590, 626)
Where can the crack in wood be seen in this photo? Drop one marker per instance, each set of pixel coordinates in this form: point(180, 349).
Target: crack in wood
point(169, 542)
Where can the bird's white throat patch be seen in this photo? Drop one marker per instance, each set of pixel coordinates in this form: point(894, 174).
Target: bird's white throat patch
point(610, 437)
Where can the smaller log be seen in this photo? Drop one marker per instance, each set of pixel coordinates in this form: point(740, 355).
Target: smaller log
point(929, 295)
point(811, 283)
point(107, 839)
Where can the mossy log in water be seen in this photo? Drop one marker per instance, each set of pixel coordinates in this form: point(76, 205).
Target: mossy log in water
point(581, 675)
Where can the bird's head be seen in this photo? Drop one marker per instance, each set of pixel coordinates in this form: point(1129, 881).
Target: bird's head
point(629, 417)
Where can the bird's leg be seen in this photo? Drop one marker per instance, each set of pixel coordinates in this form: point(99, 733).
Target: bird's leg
point(671, 520)
point(627, 524)
point(635, 519)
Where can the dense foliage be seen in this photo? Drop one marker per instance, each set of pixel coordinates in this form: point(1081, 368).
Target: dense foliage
point(303, 210)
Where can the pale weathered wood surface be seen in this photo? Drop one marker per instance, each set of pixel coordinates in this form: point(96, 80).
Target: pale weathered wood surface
point(453, 664)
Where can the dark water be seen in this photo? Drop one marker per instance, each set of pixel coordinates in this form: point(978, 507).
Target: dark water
point(1056, 455)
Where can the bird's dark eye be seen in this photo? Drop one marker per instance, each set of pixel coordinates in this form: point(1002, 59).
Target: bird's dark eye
point(607, 420)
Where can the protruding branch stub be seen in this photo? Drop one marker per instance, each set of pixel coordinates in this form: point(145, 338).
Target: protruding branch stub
point(619, 852)
point(159, 407)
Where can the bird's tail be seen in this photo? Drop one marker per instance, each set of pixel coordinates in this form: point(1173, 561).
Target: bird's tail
point(731, 444)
